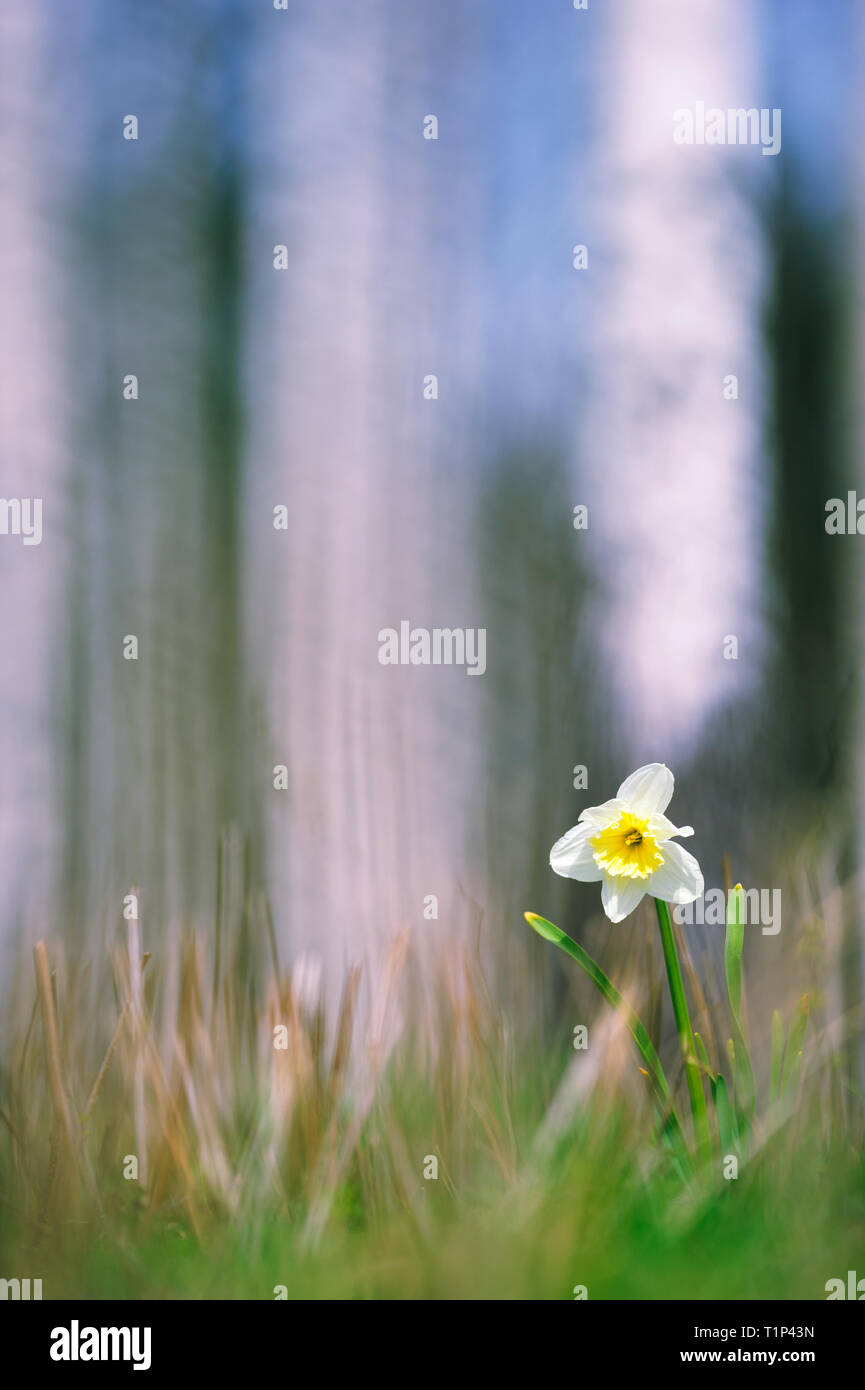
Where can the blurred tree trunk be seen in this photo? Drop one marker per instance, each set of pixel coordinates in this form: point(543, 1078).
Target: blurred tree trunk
point(34, 416)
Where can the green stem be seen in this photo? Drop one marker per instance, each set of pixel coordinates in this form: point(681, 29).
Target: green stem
point(686, 1036)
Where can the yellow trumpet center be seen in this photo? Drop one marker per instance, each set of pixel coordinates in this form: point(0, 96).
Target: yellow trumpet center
point(624, 850)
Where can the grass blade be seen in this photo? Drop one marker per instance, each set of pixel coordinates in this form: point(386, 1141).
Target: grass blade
point(733, 947)
point(728, 1132)
point(703, 1055)
point(693, 1075)
point(777, 1057)
point(793, 1051)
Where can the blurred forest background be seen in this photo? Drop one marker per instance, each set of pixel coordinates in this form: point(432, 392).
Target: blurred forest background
point(304, 387)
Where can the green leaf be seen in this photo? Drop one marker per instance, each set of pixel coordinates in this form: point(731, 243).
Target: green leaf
point(679, 1001)
point(635, 1027)
point(733, 947)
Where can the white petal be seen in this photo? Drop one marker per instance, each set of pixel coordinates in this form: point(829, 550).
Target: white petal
point(601, 817)
point(648, 789)
point(621, 895)
point(661, 829)
point(572, 855)
point(679, 879)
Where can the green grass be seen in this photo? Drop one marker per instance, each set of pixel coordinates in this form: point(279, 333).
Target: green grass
point(597, 1223)
point(304, 1167)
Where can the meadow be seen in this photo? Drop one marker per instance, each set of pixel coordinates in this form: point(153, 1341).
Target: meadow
point(407, 1143)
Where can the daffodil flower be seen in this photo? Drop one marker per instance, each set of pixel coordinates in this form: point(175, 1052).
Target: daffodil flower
point(627, 845)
